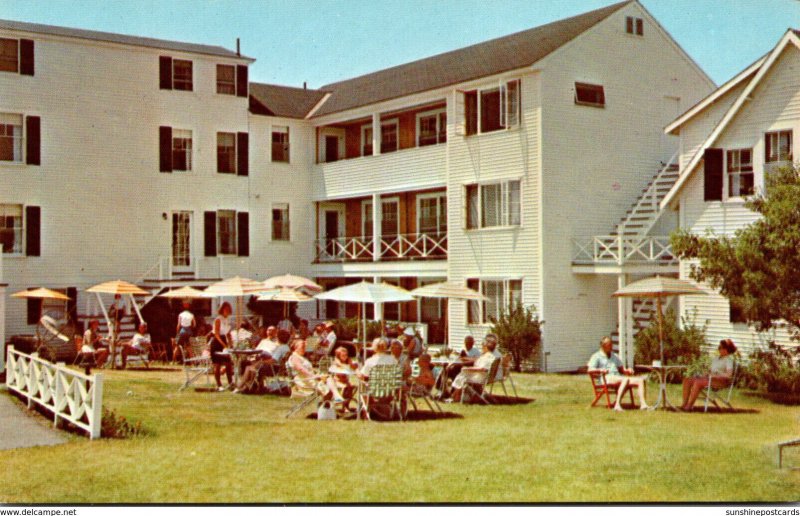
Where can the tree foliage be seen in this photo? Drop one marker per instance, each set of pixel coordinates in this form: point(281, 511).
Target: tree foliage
point(682, 343)
point(758, 268)
point(519, 332)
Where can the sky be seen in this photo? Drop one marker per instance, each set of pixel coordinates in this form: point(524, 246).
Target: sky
point(323, 41)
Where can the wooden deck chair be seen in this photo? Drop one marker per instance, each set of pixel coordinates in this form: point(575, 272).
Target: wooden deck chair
point(383, 387)
point(601, 387)
point(481, 388)
point(720, 394)
point(505, 368)
point(198, 364)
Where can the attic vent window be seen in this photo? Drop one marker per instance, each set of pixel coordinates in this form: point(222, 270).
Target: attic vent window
point(634, 26)
point(589, 95)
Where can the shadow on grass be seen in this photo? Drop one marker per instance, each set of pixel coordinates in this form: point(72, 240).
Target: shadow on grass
point(154, 369)
point(780, 398)
point(716, 410)
point(412, 416)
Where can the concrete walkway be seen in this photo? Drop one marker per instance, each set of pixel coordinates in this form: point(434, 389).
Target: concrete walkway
point(20, 429)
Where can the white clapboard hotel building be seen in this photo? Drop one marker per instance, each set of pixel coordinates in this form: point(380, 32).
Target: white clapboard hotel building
point(530, 167)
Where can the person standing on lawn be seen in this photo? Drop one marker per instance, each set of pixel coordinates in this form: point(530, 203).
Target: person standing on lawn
point(605, 360)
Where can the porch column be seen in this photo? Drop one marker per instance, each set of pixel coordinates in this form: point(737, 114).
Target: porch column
point(376, 134)
point(377, 215)
point(378, 307)
point(622, 321)
point(2, 320)
point(629, 330)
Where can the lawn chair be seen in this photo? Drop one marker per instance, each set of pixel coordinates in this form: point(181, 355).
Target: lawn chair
point(142, 358)
point(480, 388)
point(505, 367)
point(307, 396)
point(198, 364)
point(385, 385)
point(416, 391)
point(715, 395)
point(601, 387)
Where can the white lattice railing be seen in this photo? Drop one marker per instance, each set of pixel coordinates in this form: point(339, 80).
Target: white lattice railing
point(391, 247)
point(68, 394)
point(618, 249)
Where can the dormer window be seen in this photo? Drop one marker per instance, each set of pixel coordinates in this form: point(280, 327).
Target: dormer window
point(634, 26)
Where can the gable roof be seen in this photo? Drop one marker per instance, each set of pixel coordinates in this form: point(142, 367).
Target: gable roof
point(122, 39)
point(481, 60)
point(792, 37)
point(284, 101)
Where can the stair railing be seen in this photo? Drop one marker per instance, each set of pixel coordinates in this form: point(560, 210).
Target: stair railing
point(649, 198)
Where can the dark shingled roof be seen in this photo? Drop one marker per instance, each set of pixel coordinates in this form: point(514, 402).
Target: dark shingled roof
point(465, 64)
point(119, 38)
point(285, 101)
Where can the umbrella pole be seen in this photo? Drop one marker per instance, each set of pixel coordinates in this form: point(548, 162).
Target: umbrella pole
point(660, 328)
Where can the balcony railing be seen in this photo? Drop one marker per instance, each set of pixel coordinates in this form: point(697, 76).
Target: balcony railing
point(415, 246)
point(619, 250)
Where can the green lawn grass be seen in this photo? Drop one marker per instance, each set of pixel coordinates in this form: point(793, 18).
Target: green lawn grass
point(220, 447)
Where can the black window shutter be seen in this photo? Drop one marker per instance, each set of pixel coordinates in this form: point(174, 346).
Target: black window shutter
point(712, 190)
point(210, 232)
point(241, 81)
point(34, 310)
point(165, 72)
point(72, 304)
point(242, 154)
point(471, 112)
point(33, 222)
point(33, 144)
point(26, 63)
point(165, 148)
point(243, 233)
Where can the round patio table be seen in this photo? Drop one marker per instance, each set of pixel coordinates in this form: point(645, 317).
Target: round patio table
point(662, 370)
point(237, 355)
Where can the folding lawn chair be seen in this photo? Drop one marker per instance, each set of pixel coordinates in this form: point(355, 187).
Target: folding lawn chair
point(715, 395)
point(199, 364)
point(601, 387)
point(479, 388)
point(505, 367)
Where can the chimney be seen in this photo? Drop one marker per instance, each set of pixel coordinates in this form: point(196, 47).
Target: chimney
point(305, 86)
point(238, 51)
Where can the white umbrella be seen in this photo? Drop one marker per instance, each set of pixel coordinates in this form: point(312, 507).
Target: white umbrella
point(184, 293)
point(448, 290)
point(122, 288)
point(235, 287)
point(40, 293)
point(293, 282)
point(287, 295)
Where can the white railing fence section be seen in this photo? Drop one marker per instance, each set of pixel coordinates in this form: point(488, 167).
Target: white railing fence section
point(68, 394)
point(391, 247)
point(622, 249)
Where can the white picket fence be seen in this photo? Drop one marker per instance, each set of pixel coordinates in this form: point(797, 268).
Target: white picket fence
point(68, 394)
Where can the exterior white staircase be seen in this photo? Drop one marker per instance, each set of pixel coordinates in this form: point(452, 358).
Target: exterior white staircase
point(645, 212)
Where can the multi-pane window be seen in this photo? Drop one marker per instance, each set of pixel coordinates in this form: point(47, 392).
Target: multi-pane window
point(634, 26)
point(181, 149)
point(366, 140)
point(10, 137)
point(9, 55)
point(181, 75)
point(431, 128)
point(389, 136)
point(778, 146)
point(492, 109)
point(589, 95)
point(432, 213)
point(11, 228)
point(280, 144)
point(226, 79)
point(390, 217)
point(500, 294)
point(226, 232)
point(740, 172)
point(491, 205)
point(280, 221)
point(226, 153)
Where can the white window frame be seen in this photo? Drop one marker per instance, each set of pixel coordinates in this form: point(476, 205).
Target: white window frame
point(368, 202)
point(438, 114)
point(216, 84)
point(505, 201)
point(483, 320)
point(190, 159)
point(728, 173)
point(5, 119)
point(235, 238)
point(391, 122)
point(282, 206)
point(777, 133)
point(441, 197)
point(18, 230)
point(282, 129)
point(507, 120)
point(235, 168)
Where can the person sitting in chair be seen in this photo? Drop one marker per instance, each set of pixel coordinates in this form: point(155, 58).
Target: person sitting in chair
point(138, 345)
point(305, 380)
point(721, 375)
point(93, 344)
point(478, 372)
point(425, 378)
point(605, 360)
point(381, 357)
point(339, 381)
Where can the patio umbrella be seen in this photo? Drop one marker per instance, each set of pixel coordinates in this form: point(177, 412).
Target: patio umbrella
point(293, 282)
point(40, 293)
point(659, 287)
point(235, 287)
point(287, 295)
point(184, 293)
point(123, 288)
point(448, 290)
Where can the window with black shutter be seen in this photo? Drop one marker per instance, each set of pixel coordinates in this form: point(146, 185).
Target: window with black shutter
point(33, 144)
point(33, 222)
point(242, 154)
point(241, 81)
point(210, 233)
point(34, 310)
point(471, 112)
point(26, 61)
point(165, 148)
point(243, 233)
point(712, 170)
point(165, 72)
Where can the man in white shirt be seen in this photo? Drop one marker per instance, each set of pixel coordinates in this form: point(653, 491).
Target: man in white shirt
point(477, 373)
point(138, 346)
point(607, 361)
point(330, 335)
point(270, 341)
point(381, 357)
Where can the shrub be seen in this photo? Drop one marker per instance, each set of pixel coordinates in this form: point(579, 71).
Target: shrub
point(347, 329)
point(772, 371)
point(681, 344)
point(519, 332)
point(113, 426)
